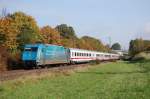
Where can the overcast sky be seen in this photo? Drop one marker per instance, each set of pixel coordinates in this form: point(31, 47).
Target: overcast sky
point(120, 20)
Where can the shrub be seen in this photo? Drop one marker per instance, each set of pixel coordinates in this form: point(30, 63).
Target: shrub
point(3, 58)
point(141, 56)
point(94, 62)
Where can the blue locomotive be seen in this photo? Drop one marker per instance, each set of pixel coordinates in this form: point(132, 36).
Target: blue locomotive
point(44, 54)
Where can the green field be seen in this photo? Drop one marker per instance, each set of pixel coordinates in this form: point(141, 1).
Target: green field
point(120, 80)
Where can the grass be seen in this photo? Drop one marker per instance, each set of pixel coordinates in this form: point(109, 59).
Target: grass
point(120, 80)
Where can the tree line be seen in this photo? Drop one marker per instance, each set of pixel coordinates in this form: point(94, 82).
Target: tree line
point(18, 29)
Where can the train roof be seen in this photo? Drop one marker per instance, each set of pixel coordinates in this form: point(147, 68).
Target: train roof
point(85, 50)
point(76, 49)
point(40, 44)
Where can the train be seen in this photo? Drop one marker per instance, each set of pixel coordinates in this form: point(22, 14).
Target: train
point(37, 55)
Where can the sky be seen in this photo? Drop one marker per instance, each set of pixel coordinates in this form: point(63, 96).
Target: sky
point(108, 20)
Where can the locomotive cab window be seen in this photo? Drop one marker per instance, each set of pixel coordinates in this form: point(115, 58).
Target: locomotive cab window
point(34, 49)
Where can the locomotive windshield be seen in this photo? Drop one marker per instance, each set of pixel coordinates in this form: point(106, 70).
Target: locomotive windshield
point(34, 49)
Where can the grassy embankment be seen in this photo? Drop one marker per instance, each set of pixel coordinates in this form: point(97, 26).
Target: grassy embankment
point(121, 80)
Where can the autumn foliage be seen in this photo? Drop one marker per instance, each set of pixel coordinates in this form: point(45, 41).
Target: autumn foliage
point(18, 29)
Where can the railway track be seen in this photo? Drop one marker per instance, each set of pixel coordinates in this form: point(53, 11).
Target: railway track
point(14, 74)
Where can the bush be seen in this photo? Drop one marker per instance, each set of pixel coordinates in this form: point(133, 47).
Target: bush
point(14, 62)
point(94, 62)
point(3, 59)
point(141, 56)
point(9, 61)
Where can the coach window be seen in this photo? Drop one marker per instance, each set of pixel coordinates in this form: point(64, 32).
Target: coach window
point(77, 54)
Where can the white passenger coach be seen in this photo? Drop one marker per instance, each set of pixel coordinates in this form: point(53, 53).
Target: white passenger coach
point(80, 55)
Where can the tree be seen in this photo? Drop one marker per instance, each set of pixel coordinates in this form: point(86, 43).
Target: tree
point(27, 29)
point(136, 46)
point(90, 43)
point(66, 32)
point(68, 36)
point(8, 33)
point(116, 46)
point(18, 29)
point(147, 45)
point(148, 48)
point(50, 35)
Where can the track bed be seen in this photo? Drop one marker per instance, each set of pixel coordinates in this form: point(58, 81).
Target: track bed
point(14, 74)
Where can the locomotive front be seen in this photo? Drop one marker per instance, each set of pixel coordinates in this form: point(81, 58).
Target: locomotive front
point(30, 55)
